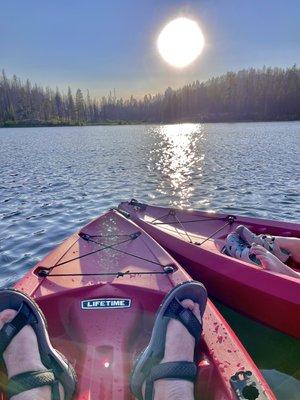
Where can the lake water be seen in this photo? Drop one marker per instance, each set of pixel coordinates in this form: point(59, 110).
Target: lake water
point(54, 180)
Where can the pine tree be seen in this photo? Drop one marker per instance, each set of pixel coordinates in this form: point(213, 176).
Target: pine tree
point(79, 106)
point(70, 107)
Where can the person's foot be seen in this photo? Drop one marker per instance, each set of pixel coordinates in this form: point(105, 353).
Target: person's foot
point(180, 346)
point(22, 355)
point(166, 367)
point(236, 247)
point(266, 241)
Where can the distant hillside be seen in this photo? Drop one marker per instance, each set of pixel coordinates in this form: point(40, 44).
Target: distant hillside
point(267, 94)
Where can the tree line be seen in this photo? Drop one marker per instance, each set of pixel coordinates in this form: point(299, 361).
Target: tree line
point(249, 95)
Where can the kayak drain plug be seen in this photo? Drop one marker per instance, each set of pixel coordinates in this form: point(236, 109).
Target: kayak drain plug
point(246, 386)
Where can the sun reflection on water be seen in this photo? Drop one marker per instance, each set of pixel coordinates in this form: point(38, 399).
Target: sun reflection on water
point(177, 158)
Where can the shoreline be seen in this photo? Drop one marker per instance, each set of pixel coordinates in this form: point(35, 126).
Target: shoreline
point(124, 123)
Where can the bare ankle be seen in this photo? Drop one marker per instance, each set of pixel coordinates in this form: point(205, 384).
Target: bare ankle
point(173, 390)
point(43, 393)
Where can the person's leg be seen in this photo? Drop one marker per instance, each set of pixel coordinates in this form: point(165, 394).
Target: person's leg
point(271, 262)
point(180, 346)
point(22, 355)
point(282, 247)
point(166, 368)
point(291, 244)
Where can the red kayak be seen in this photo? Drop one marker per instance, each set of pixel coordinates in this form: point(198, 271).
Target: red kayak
point(196, 240)
point(100, 290)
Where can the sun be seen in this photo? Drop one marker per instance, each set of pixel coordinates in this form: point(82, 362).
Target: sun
point(180, 42)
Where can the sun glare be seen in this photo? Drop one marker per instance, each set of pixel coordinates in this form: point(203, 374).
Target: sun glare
point(180, 42)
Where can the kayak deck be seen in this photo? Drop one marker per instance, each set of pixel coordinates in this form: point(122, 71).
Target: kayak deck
point(196, 240)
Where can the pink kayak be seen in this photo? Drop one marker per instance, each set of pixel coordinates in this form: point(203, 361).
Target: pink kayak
point(100, 290)
point(196, 240)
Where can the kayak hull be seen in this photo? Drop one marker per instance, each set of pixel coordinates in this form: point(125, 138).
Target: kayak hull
point(270, 298)
point(100, 290)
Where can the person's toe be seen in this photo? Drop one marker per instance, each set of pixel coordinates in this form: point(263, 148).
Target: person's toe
point(194, 307)
point(6, 316)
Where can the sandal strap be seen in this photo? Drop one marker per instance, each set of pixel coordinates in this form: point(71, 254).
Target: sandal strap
point(186, 317)
point(183, 370)
point(32, 380)
point(12, 328)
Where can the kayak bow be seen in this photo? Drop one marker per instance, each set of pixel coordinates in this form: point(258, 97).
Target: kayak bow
point(196, 240)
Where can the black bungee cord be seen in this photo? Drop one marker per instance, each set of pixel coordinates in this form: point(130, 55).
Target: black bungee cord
point(230, 219)
point(167, 269)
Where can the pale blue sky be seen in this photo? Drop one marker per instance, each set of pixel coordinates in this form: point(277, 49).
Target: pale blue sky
point(100, 45)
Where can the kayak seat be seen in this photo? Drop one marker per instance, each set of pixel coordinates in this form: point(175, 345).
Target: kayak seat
point(99, 352)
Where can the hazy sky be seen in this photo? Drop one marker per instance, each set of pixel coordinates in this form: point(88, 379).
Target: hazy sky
point(100, 45)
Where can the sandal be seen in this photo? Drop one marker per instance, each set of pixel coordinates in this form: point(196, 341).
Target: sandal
point(147, 367)
point(236, 247)
point(57, 369)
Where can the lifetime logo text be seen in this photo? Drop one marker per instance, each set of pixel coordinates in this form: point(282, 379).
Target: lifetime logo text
point(105, 303)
